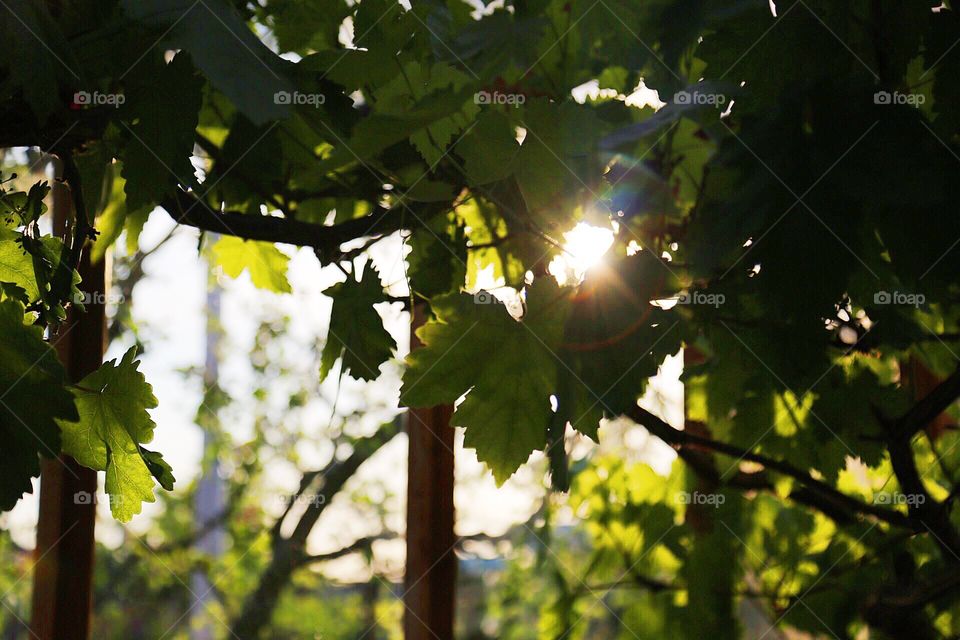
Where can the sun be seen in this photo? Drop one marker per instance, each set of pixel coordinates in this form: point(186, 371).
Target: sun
point(584, 246)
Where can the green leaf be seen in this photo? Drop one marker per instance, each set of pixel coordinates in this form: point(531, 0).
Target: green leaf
point(115, 218)
point(20, 208)
point(489, 149)
point(250, 155)
point(438, 242)
point(379, 131)
point(37, 57)
point(224, 48)
point(556, 157)
point(614, 78)
point(413, 85)
point(56, 282)
point(266, 264)
point(159, 468)
point(508, 366)
point(32, 399)
point(615, 341)
point(356, 331)
point(16, 265)
point(133, 224)
point(300, 25)
point(165, 106)
point(113, 424)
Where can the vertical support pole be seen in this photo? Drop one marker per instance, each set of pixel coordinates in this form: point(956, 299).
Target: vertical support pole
point(63, 573)
point(431, 569)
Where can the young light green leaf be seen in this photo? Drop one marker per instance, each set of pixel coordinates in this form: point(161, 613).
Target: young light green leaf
point(16, 265)
point(114, 422)
point(114, 219)
point(266, 264)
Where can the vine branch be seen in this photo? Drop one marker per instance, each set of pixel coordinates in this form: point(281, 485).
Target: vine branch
point(822, 490)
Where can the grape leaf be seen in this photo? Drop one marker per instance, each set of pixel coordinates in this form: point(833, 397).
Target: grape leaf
point(356, 330)
point(555, 157)
point(489, 149)
point(115, 218)
point(299, 26)
point(266, 264)
point(508, 366)
point(439, 242)
point(414, 85)
point(615, 339)
point(113, 424)
point(32, 400)
point(159, 468)
point(16, 265)
point(165, 105)
point(227, 52)
point(34, 70)
point(56, 281)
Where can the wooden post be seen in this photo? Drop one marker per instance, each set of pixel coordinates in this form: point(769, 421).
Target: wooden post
point(431, 569)
point(63, 573)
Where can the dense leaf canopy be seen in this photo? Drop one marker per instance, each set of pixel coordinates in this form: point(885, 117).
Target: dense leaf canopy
point(787, 217)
